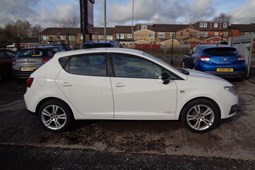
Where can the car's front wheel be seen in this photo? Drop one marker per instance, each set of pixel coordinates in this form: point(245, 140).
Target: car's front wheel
point(200, 115)
point(55, 115)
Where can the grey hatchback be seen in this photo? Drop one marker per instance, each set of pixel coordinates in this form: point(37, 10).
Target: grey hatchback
point(28, 60)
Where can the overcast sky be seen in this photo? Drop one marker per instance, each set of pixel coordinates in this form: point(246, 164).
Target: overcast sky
point(119, 12)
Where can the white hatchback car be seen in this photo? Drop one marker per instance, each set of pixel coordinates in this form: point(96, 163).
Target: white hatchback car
point(125, 84)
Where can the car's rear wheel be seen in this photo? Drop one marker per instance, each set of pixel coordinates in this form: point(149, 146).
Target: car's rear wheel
point(200, 115)
point(55, 115)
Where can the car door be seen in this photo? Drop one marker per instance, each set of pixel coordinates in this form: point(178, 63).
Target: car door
point(85, 82)
point(138, 90)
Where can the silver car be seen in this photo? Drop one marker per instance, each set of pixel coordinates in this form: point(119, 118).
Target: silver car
point(28, 60)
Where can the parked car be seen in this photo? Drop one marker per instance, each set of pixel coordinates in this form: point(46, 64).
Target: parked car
point(6, 58)
point(28, 60)
point(103, 44)
point(220, 60)
point(55, 47)
point(126, 84)
point(51, 48)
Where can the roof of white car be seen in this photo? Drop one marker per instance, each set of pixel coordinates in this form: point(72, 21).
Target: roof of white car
point(97, 50)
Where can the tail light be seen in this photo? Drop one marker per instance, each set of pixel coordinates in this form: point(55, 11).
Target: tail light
point(30, 82)
point(45, 59)
point(13, 61)
point(205, 58)
point(241, 58)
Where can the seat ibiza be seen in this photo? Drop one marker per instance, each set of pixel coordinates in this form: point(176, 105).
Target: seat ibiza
point(125, 84)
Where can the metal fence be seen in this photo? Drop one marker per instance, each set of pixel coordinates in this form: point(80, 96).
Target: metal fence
point(245, 45)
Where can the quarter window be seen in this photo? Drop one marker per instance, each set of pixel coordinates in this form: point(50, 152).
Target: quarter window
point(134, 67)
point(89, 64)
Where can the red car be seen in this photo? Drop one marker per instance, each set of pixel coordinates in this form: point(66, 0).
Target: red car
point(6, 58)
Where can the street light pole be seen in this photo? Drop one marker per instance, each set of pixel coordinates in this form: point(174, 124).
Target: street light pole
point(172, 49)
point(133, 6)
point(105, 20)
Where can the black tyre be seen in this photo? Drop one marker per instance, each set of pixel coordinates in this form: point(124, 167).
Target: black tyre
point(55, 115)
point(200, 115)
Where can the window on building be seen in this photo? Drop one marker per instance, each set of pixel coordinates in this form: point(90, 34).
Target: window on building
point(150, 35)
point(100, 37)
point(215, 25)
point(109, 37)
point(171, 34)
point(203, 34)
point(143, 26)
point(161, 35)
point(62, 37)
point(225, 33)
point(216, 34)
point(44, 37)
point(193, 34)
point(203, 25)
point(138, 35)
point(129, 36)
point(122, 36)
point(81, 37)
point(117, 36)
point(71, 38)
point(225, 25)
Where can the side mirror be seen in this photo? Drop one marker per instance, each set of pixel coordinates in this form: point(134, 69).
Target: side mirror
point(165, 78)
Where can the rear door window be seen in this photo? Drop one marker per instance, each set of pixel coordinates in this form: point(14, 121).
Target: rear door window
point(87, 64)
point(32, 53)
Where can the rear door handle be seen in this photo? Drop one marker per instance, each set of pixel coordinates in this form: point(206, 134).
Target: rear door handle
point(66, 84)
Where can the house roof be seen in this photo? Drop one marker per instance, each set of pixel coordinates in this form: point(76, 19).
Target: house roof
point(168, 27)
point(60, 31)
point(100, 30)
point(123, 29)
point(210, 26)
point(243, 27)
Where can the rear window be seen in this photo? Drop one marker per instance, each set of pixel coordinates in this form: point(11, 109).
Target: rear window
point(97, 45)
point(32, 53)
point(221, 51)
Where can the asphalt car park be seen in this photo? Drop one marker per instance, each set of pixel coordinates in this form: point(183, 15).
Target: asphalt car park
point(234, 139)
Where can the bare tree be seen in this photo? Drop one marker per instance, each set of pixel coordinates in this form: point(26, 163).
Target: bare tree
point(69, 24)
point(223, 18)
point(35, 30)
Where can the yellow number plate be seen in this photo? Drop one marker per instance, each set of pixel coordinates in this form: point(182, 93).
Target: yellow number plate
point(225, 69)
point(27, 68)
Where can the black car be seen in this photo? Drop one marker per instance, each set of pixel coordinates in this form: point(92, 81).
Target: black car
point(6, 59)
point(103, 44)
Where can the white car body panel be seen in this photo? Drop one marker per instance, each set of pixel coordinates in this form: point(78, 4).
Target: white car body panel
point(90, 95)
point(139, 98)
point(136, 99)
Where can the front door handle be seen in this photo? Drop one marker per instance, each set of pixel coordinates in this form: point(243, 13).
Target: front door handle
point(120, 85)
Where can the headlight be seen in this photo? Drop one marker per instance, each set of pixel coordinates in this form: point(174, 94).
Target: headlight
point(231, 89)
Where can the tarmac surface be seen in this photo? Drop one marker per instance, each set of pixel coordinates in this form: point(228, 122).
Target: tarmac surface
point(24, 144)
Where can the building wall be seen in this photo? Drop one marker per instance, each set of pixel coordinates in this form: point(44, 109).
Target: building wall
point(145, 34)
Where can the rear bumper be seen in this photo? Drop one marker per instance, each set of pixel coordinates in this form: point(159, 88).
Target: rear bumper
point(234, 74)
point(22, 74)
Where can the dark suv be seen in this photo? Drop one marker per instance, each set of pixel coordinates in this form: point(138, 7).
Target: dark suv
point(103, 44)
point(6, 59)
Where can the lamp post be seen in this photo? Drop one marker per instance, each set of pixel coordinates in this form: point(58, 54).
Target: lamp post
point(133, 7)
point(172, 49)
point(105, 20)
